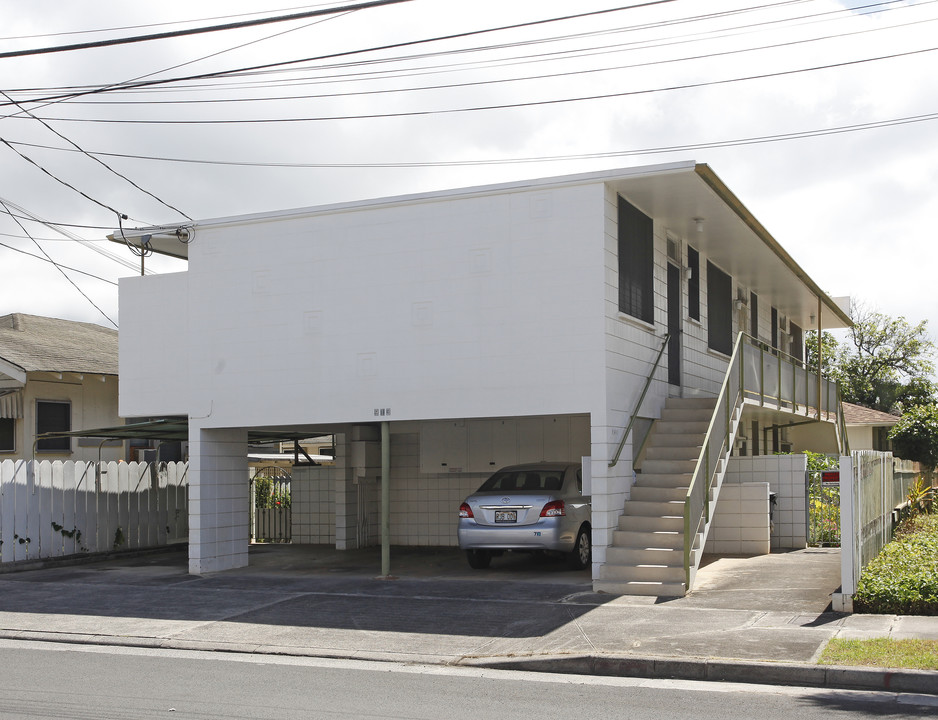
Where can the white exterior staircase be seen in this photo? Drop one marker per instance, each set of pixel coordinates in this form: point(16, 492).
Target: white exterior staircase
point(647, 553)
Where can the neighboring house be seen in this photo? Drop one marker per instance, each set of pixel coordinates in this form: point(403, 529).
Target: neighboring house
point(868, 429)
point(440, 336)
point(55, 375)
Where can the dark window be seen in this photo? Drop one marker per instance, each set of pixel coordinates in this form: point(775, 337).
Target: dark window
point(53, 417)
point(755, 437)
point(693, 285)
point(7, 435)
point(719, 310)
point(636, 263)
point(754, 315)
point(797, 342)
point(775, 328)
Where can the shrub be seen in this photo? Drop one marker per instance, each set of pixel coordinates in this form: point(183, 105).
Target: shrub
point(269, 494)
point(903, 578)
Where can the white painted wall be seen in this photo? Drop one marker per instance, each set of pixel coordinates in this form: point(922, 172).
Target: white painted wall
point(785, 475)
point(474, 306)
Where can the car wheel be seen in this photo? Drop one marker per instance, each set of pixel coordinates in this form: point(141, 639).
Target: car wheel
point(582, 553)
point(478, 559)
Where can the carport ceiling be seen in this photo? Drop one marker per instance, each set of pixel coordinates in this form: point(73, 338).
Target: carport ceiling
point(173, 429)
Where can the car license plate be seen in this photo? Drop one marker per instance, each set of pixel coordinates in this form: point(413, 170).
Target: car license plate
point(506, 516)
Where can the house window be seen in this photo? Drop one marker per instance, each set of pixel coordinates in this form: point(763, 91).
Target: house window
point(636, 263)
point(7, 435)
point(53, 416)
point(719, 310)
point(693, 285)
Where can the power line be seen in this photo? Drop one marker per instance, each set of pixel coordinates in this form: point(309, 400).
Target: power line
point(97, 160)
point(230, 72)
point(761, 139)
point(57, 267)
point(197, 31)
point(66, 267)
point(502, 106)
point(147, 25)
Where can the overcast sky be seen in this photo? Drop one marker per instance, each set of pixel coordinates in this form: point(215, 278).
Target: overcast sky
point(679, 80)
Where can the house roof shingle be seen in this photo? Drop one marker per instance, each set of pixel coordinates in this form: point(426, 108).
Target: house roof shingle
point(43, 344)
point(859, 415)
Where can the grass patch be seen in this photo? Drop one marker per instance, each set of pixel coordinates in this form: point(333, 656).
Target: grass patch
point(903, 578)
point(882, 652)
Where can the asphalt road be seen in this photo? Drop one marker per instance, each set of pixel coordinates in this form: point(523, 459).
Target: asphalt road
point(45, 680)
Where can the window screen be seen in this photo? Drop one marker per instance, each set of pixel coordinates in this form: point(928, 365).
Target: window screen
point(719, 310)
point(53, 416)
point(7, 437)
point(636, 263)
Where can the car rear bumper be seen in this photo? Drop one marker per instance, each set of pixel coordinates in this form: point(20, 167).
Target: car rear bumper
point(546, 534)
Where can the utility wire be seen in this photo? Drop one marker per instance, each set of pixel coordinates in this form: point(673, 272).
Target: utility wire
point(347, 53)
point(97, 160)
point(65, 267)
point(797, 135)
point(502, 106)
point(200, 30)
point(57, 267)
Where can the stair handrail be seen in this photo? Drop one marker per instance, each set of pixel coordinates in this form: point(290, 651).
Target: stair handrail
point(641, 399)
point(737, 365)
point(704, 458)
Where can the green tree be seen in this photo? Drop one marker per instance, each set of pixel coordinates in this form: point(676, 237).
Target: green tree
point(915, 436)
point(884, 364)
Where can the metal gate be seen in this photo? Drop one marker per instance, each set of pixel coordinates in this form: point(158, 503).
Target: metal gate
point(270, 496)
point(823, 511)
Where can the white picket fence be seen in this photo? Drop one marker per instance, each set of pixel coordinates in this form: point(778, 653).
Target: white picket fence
point(54, 509)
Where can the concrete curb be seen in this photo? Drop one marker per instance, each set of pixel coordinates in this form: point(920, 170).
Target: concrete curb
point(715, 669)
point(88, 558)
point(921, 682)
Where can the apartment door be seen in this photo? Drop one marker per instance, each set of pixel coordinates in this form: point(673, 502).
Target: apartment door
point(675, 326)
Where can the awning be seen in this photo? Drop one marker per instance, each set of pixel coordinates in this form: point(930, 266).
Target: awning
point(172, 429)
point(11, 403)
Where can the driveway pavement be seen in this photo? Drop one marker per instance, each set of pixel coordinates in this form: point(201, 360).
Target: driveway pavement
point(749, 619)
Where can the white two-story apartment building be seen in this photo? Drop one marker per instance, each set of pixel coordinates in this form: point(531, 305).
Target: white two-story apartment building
point(441, 336)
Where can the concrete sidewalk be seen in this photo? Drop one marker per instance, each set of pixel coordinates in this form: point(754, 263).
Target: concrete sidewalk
point(750, 620)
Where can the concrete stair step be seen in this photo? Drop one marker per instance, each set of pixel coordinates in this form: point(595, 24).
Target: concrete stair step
point(692, 402)
point(655, 451)
point(653, 589)
point(657, 494)
point(663, 480)
point(684, 427)
point(677, 439)
point(665, 557)
point(668, 467)
point(643, 573)
point(671, 539)
point(654, 509)
point(693, 415)
point(647, 523)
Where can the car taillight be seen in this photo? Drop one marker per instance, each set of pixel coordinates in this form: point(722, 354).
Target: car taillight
point(553, 509)
point(465, 511)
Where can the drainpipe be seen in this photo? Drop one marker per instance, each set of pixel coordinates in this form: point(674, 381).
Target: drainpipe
point(385, 499)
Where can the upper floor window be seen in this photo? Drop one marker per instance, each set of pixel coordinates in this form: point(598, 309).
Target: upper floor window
point(636, 262)
point(719, 310)
point(53, 416)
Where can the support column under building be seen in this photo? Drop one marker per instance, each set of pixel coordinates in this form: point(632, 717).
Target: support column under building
point(219, 500)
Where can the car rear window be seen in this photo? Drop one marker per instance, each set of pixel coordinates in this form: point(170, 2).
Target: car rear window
point(532, 480)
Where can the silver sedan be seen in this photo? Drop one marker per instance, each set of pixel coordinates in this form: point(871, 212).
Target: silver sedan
point(532, 507)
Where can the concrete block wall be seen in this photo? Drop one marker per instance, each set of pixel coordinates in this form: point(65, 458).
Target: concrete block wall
point(785, 475)
point(741, 521)
point(312, 492)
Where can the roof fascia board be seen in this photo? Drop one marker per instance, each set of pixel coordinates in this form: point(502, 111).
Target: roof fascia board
point(458, 193)
point(734, 203)
point(13, 371)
